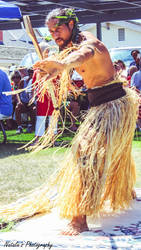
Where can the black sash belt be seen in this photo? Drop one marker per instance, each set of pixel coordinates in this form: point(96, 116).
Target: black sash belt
point(105, 94)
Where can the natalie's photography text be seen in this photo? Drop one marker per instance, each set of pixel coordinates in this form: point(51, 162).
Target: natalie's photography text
point(35, 245)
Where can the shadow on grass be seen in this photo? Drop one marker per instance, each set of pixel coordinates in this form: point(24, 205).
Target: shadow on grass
point(11, 149)
point(137, 135)
point(15, 143)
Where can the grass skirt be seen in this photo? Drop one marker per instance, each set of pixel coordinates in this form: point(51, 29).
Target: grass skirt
point(98, 168)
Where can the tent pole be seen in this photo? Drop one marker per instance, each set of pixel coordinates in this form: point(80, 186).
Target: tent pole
point(98, 29)
point(23, 28)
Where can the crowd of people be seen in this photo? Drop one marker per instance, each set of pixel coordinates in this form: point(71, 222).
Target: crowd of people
point(131, 77)
point(34, 114)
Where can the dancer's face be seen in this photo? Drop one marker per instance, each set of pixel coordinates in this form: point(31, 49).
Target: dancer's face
point(60, 33)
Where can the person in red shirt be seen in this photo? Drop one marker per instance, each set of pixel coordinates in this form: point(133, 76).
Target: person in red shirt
point(44, 105)
point(44, 109)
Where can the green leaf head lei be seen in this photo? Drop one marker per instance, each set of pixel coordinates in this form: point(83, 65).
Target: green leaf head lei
point(65, 18)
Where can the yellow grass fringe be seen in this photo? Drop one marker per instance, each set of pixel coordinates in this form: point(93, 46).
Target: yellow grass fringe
point(98, 168)
point(58, 90)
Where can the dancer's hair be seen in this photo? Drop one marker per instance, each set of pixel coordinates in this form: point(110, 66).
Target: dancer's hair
point(65, 15)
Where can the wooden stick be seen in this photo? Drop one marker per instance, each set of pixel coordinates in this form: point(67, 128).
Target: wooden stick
point(30, 32)
point(32, 35)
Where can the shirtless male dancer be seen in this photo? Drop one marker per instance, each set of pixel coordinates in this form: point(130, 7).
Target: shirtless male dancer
point(107, 133)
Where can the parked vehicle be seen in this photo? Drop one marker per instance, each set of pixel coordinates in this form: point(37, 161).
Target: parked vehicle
point(123, 53)
point(29, 59)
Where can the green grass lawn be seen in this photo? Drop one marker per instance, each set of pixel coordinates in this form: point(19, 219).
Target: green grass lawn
point(24, 137)
point(136, 150)
point(12, 137)
point(22, 171)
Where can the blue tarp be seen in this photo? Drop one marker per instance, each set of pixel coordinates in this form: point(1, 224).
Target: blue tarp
point(9, 11)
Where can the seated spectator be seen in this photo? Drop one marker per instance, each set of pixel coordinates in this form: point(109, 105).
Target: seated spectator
point(139, 116)
point(136, 57)
point(23, 105)
point(136, 78)
point(136, 82)
point(23, 71)
point(6, 106)
point(116, 69)
point(120, 67)
point(123, 72)
point(131, 71)
point(15, 80)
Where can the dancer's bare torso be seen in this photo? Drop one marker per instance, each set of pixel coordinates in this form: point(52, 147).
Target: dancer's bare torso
point(92, 61)
point(97, 70)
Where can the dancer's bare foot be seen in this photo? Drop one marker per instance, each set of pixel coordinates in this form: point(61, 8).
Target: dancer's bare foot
point(134, 196)
point(76, 226)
